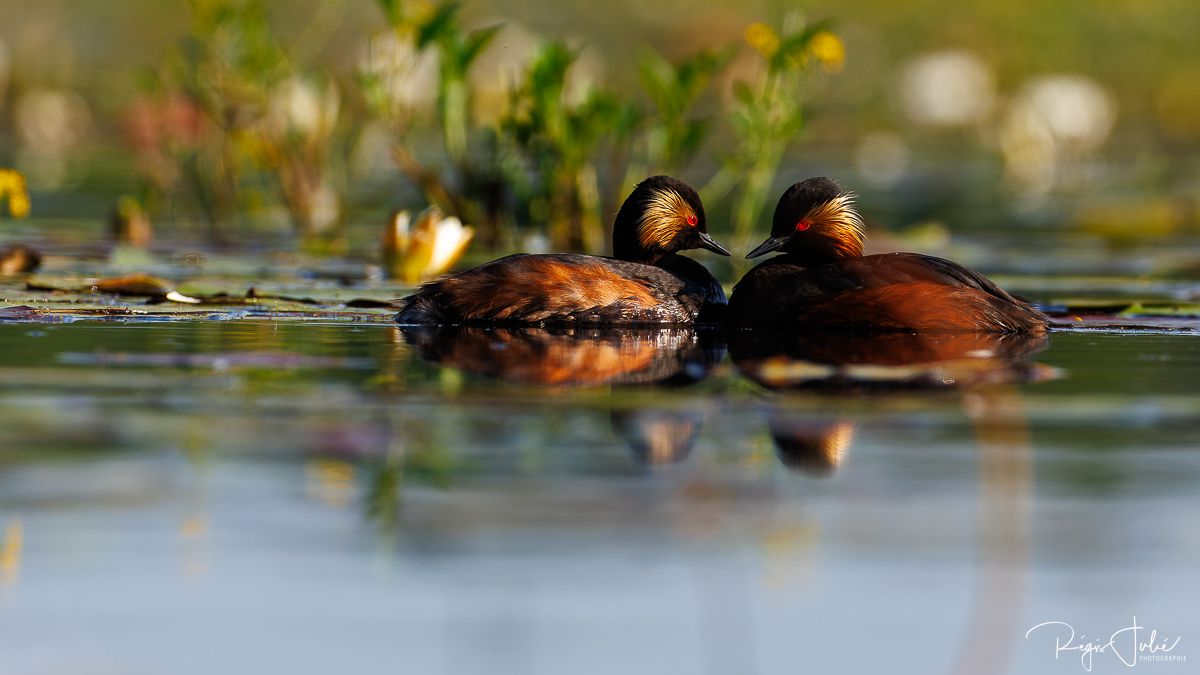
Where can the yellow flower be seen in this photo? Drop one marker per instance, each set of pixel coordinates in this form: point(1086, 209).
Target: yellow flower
point(424, 249)
point(828, 50)
point(18, 205)
point(763, 38)
point(12, 185)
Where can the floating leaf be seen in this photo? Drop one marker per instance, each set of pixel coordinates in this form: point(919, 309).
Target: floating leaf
point(139, 285)
point(22, 312)
point(131, 284)
point(1182, 309)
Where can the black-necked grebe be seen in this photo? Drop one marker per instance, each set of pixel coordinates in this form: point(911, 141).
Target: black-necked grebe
point(823, 281)
point(645, 282)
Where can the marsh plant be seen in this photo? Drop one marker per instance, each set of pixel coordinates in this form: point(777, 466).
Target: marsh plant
point(559, 140)
point(202, 116)
point(230, 126)
point(421, 39)
point(562, 154)
point(234, 124)
point(767, 113)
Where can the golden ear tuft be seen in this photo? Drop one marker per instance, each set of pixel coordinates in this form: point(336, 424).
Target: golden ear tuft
point(840, 221)
point(665, 212)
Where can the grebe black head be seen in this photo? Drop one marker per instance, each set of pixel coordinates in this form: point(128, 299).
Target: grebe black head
point(661, 216)
point(815, 219)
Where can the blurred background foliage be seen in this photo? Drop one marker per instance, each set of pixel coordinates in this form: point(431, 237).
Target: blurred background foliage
point(227, 118)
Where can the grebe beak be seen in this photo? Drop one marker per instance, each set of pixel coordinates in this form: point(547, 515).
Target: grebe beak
point(771, 244)
point(707, 242)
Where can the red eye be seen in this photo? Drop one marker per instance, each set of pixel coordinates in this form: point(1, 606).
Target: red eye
point(803, 225)
point(692, 220)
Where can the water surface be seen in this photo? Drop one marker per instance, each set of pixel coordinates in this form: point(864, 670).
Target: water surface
point(253, 496)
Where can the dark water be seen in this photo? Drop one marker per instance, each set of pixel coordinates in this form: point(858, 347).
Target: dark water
point(239, 496)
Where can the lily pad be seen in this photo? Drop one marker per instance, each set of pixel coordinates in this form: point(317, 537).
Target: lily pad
point(1184, 309)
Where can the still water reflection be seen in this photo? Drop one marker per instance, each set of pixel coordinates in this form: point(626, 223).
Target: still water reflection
point(668, 358)
point(296, 498)
point(572, 356)
point(873, 366)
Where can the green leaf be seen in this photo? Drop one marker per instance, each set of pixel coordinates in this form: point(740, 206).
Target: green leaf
point(791, 47)
point(474, 44)
point(627, 119)
point(548, 69)
point(658, 78)
point(693, 137)
point(743, 93)
point(393, 10)
point(443, 23)
point(695, 73)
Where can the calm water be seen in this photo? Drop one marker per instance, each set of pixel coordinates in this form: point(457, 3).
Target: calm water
point(239, 496)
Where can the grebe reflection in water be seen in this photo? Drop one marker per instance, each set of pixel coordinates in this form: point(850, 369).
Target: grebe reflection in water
point(884, 364)
point(571, 357)
point(625, 357)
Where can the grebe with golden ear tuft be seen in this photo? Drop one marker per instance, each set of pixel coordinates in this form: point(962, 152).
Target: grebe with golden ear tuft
point(823, 281)
point(645, 282)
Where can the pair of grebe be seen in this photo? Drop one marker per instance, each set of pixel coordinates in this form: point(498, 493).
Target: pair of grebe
point(822, 280)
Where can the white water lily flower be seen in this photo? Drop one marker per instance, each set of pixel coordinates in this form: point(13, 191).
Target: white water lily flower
point(303, 107)
point(1075, 109)
point(424, 249)
point(947, 88)
point(449, 242)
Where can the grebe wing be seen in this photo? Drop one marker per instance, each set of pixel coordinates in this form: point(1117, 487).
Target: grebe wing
point(549, 288)
point(887, 269)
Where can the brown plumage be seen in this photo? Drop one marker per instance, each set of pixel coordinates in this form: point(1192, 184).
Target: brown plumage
point(539, 288)
point(644, 282)
point(823, 280)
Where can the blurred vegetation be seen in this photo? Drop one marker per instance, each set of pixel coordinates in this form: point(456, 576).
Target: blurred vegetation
point(531, 123)
point(560, 155)
point(768, 113)
point(232, 123)
point(230, 120)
